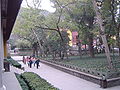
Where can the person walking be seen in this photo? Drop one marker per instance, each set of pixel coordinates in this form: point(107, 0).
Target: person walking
point(27, 60)
point(24, 59)
point(34, 60)
point(37, 63)
point(30, 63)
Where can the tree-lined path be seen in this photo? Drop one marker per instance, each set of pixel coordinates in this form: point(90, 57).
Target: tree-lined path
point(60, 79)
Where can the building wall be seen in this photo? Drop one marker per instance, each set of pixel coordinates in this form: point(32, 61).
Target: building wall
point(1, 51)
point(74, 37)
point(1, 61)
point(70, 37)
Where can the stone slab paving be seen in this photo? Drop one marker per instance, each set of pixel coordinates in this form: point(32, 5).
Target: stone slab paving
point(62, 80)
point(10, 81)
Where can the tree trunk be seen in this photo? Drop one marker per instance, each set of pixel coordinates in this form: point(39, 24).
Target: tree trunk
point(91, 49)
point(33, 51)
point(85, 49)
point(102, 30)
point(118, 39)
point(39, 43)
point(62, 57)
point(53, 55)
point(60, 54)
point(36, 52)
point(79, 49)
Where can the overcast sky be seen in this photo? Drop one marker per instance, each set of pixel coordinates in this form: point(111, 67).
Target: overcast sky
point(45, 4)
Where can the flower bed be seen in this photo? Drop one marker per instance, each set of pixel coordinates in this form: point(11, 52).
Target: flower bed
point(22, 82)
point(35, 82)
point(96, 66)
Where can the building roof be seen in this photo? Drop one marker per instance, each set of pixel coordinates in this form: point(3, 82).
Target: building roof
point(9, 10)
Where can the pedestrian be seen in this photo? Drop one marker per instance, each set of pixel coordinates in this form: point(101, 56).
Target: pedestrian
point(37, 63)
point(30, 63)
point(34, 60)
point(27, 60)
point(24, 59)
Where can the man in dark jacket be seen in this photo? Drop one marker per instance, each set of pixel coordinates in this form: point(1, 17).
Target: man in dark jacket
point(37, 63)
point(30, 63)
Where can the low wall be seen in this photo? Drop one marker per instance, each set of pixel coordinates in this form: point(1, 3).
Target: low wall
point(113, 82)
point(86, 76)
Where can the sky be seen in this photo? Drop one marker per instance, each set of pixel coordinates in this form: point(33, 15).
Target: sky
point(45, 4)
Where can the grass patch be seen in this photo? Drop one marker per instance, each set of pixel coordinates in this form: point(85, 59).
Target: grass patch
point(97, 64)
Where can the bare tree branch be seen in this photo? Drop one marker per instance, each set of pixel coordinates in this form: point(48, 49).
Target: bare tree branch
point(53, 29)
point(59, 18)
point(47, 28)
point(35, 3)
point(28, 4)
point(61, 9)
point(39, 3)
point(38, 40)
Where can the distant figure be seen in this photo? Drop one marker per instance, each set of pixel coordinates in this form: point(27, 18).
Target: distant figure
point(30, 63)
point(34, 60)
point(24, 60)
point(14, 51)
point(37, 63)
point(27, 60)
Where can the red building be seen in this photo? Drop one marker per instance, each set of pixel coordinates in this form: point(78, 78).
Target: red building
point(74, 37)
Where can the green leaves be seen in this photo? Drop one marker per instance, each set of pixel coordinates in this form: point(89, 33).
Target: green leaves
point(22, 82)
point(14, 63)
point(35, 82)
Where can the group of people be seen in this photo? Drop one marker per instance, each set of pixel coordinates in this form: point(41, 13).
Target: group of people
point(31, 61)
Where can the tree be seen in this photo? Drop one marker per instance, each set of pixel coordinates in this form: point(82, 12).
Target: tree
point(82, 14)
point(57, 20)
point(25, 26)
point(112, 19)
point(102, 33)
point(35, 21)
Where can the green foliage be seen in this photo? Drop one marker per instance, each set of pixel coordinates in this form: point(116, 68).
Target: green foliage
point(110, 16)
point(70, 14)
point(35, 82)
point(23, 44)
point(14, 63)
point(23, 84)
point(25, 26)
point(56, 45)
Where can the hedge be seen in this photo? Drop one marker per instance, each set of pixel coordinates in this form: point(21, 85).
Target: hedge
point(35, 82)
point(14, 63)
point(22, 82)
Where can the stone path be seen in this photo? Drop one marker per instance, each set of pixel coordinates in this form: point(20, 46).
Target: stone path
point(62, 80)
point(10, 81)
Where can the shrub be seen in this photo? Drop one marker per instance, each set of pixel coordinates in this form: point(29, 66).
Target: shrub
point(35, 82)
point(22, 82)
point(14, 63)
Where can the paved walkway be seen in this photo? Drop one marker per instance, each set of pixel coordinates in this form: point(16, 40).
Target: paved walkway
point(62, 80)
point(10, 81)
